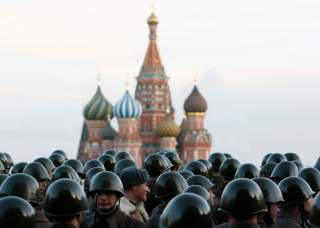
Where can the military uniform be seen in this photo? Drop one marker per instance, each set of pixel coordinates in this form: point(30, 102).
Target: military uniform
point(238, 225)
point(155, 215)
point(41, 220)
point(136, 211)
point(152, 201)
point(290, 217)
point(117, 219)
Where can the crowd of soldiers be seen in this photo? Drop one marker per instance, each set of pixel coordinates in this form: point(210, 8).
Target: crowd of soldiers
point(113, 192)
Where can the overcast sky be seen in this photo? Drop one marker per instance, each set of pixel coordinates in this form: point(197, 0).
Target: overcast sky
point(258, 68)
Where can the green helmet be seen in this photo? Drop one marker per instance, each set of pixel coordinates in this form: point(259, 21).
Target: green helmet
point(91, 172)
point(299, 165)
point(123, 155)
point(277, 158)
point(227, 155)
point(216, 160)
point(110, 152)
point(315, 212)
point(155, 164)
point(202, 181)
point(264, 159)
point(317, 165)
point(284, 169)
point(3, 177)
point(47, 163)
point(169, 185)
point(187, 210)
point(271, 191)
point(61, 152)
point(295, 190)
point(267, 169)
point(209, 167)
point(16, 212)
point(133, 176)
point(197, 168)
point(57, 159)
point(122, 164)
point(21, 185)
point(76, 165)
point(242, 196)
point(229, 168)
point(186, 174)
point(292, 157)
point(65, 197)
point(18, 168)
point(37, 170)
point(312, 177)
point(200, 191)
point(173, 157)
point(65, 171)
point(108, 161)
point(247, 170)
point(91, 164)
point(106, 181)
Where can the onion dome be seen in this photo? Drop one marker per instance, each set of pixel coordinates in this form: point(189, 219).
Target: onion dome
point(195, 102)
point(153, 19)
point(109, 133)
point(127, 107)
point(168, 128)
point(98, 108)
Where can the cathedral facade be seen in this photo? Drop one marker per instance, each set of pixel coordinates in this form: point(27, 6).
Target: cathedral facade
point(146, 121)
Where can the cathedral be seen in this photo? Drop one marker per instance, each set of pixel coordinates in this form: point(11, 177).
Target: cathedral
point(146, 121)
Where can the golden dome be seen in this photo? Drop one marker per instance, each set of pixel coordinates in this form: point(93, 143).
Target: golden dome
point(168, 128)
point(153, 20)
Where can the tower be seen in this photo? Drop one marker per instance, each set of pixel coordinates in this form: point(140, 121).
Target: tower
point(152, 91)
point(128, 111)
point(194, 140)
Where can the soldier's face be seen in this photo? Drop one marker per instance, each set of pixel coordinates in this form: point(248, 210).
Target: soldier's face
point(42, 186)
point(307, 205)
point(141, 192)
point(106, 200)
point(273, 212)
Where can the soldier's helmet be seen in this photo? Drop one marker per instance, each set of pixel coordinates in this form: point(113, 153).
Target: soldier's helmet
point(202, 181)
point(247, 170)
point(295, 190)
point(106, 181)
point(61, 152)
point(37, 170)
point(21, 185)
point(169, 184)
point(65, 198)
point(197, 168)
point(108, 161)
point(133, 176)
point(265, 158)
point(284, 169)
point(271, 191)
point(18, 167)
point(267, 169)
point(317, 165)
point(65, 171)
point(315, 212)
point(209, 167)
point(312, 177)
point(110, 152)
point(200, 191)
point(123, 155)
point(276, 157)
point(76, 165)
point(242, 197)
point(173, 157)
point(3, 177)
point(122, 164)
point(186, 174)
point(91, 164)
point(47, 163)
point(155, 164)
point(216, 160)
point(16, 212)
point(57, 159)
point(292, 157)
point(229, 168)
point(90, 174)
point(187, 210)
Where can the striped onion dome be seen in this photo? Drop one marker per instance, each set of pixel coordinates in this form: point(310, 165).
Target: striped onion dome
point(168, 128)
point(98, 108)
point(127, 107)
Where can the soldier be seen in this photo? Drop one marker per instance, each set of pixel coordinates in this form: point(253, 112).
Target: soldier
point(65, 172)
point(174, 159)
point(267, 169)
point(298, 199)
point(76, 165)
point(92, 164)
point(26, 187)
point(284, 169)
point(18, 167)
point(242, 200)
point(64, 202)
point(272, 198)
point(168, 185)
point(315, 212)
point(247, 170)
point(47, 163)
point(197, 168)
point(108, 189)
point(155, 164)
point(108, 161)
point(187, 210)
point(216, 160)
point(135, 183)
point(122, 164)
point(57, 159)
point(16, 213)
point(312, 177)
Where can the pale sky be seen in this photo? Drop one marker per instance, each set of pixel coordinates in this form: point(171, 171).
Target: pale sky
point(258, 68)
